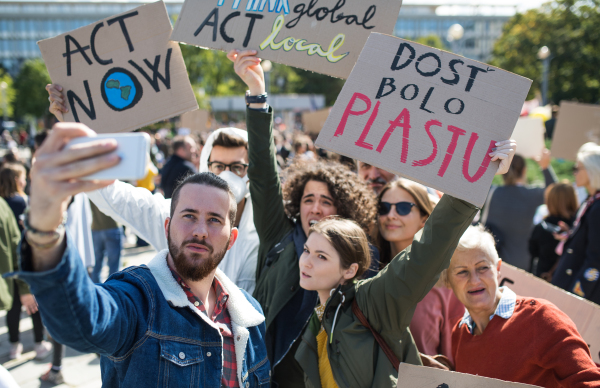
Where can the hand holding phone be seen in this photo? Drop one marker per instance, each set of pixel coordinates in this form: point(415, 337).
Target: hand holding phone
point(132, 148)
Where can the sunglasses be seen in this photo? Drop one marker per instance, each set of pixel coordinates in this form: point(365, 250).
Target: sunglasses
point(402, 208)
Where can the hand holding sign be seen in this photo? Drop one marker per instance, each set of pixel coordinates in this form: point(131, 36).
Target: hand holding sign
point(247, 67)
point(504, 152)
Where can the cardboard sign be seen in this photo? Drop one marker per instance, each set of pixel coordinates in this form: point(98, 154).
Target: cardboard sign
point(425, 114)
point(413, 376)
point(324, 36)
point(576, 125)
point(196, 121)
point(585, 314)
point(121, 73)
point(314, 121)
point(529, 135)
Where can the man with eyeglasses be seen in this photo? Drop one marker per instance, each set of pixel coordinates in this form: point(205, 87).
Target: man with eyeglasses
point(225, 154)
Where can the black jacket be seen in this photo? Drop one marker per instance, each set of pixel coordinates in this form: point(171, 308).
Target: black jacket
point(578, 270)
point(173, 172)
point(542, 245)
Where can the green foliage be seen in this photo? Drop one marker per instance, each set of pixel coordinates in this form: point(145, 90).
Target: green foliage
point(432, 41)
point(9, 93)
point(211, 71)
point(570, 29)
point(31, 98)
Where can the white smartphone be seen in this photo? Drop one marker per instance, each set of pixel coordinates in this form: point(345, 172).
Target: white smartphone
point(133, 148)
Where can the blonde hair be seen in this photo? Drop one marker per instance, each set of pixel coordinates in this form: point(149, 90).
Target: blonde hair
point(9, 173)
point(348, 239)
point(475, 237)
point(589, 156)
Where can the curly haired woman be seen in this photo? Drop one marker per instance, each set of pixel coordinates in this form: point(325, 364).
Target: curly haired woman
point(283, 217)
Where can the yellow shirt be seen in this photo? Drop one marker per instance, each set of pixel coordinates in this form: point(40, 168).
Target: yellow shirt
point(325, 372)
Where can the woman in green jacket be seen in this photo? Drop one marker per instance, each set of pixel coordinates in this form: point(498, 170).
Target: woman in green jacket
point(283, 216)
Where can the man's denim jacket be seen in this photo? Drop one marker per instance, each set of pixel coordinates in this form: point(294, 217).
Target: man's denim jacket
point(141, 322)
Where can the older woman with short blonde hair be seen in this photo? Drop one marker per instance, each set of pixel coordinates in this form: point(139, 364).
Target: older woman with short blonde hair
point(510, 337)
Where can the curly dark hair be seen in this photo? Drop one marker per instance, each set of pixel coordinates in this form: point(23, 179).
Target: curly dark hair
point(352, 197)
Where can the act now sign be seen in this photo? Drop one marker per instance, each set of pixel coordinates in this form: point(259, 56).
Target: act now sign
point(121, 73)
point(425, 114)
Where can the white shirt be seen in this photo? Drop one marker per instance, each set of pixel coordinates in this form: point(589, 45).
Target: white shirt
point(145, 214)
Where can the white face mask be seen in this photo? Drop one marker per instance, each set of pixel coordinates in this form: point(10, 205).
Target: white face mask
point(239, 186)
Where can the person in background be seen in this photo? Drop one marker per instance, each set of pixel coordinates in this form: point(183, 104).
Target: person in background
point(561, 202)
point(578, 269)
point(403, 208)
point(375, 177)
point(12, 185)
point(510, 210)
point(510, 337)
point(107, 236)
point(179, 165)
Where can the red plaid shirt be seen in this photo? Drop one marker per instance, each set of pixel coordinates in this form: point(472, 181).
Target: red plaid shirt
point(221, 317)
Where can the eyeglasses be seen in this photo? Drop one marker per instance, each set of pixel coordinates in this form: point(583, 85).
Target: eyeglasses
point(402, 208)
point(575, 169)
point(237, 168)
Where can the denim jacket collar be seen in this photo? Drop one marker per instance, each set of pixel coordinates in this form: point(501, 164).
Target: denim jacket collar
point(243, 314)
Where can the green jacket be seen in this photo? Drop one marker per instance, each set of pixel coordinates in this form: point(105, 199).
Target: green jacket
point(388, 302)
point(278, 285)
point(10, 236)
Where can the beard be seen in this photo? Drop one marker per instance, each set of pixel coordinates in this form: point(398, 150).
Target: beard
point(193, 267)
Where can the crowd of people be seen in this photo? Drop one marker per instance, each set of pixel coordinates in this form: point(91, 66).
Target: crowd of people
point(278, 266)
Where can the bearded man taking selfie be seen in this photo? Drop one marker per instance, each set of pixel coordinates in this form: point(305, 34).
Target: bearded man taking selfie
point(179, 321)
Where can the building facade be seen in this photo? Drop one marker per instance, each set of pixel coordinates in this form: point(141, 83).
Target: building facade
point(23, 23)
point(482, 26)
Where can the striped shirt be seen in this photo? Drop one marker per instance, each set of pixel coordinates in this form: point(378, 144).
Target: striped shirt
point(505, 309)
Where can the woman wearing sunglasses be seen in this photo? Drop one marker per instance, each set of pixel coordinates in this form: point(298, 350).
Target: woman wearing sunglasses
point(338, 347)
point(403, 208)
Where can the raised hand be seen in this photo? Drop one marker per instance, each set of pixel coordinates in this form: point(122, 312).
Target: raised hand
point(247, 67)
point(57, 101)
point(504, 151)
point(56, 171)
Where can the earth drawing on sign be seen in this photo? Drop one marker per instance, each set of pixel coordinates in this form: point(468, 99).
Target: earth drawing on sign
point(120, 90)
point(114, 84)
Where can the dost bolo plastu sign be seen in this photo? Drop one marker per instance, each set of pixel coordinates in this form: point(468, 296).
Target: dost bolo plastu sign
point(324, 36)
point(426, 114)
point(121, 73)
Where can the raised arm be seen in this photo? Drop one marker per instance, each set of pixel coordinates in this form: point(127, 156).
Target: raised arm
point(270, 219)
point(389, 299)
point(76, 311)
point(137, 208)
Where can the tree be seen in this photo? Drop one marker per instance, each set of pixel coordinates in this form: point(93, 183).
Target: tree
point(432, 41)
point(570, 29)
point(213, 72)
point(9, 93)
point(31, 99)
